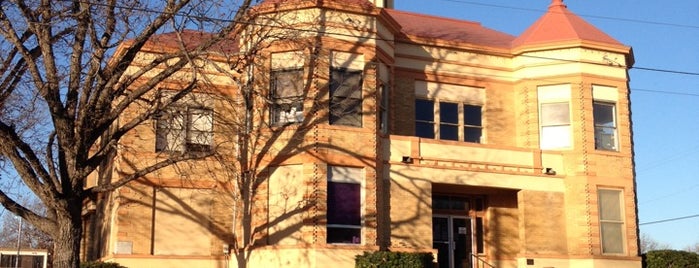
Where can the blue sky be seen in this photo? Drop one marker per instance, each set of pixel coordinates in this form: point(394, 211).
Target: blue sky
point(664, 35)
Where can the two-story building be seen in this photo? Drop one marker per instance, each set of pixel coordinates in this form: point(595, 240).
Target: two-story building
point(380, 129)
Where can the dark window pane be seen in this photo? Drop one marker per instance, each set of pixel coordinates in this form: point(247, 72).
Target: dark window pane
point(603, 114)
point(449, 132)
point(424, 110)
point(448, 112)
point(440, 202)
point(344, 235)
point(479, 204)
point(346, 111)
point(424, 130)
point(473, 134)
point(479, 235)
point(472, 115)
point(459, 203)
point(344, 203)
point(346, 83)
point(440, 229)
point(383, 110)
point(346, 97)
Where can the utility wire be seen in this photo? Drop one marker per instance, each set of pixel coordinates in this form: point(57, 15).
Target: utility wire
point(669, 220)
point(205, 18)
point(497, 53)
point(688, 26)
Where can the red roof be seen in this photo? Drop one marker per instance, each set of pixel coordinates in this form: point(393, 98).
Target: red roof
point(561, 25)
point(446, 29)
point(191, 39)
point(364, 4)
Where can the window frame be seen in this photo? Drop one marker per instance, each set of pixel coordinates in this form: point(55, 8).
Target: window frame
point(294, 114)
point(383, 109)
point(613, 128)
point(543, 125)
point(357, 182)
point(437, 123)
point(355, 103)
point(466, 126)
point(182, 141)
point(620, 223)
point(449, 126)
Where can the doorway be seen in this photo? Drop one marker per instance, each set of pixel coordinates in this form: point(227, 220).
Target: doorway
point(452, 237)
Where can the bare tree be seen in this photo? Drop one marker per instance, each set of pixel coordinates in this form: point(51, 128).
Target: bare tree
point(693, 248)
point(649, 244)
point(65, 79)
point(31, 237)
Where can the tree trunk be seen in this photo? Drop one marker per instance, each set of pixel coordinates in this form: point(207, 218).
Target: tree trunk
point(66, 245)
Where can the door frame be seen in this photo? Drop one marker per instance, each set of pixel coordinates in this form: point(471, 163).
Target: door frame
point(452, 243)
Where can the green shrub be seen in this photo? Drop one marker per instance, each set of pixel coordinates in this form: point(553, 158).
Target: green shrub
point(670, 259)
point(387, 259)
point(99, 264)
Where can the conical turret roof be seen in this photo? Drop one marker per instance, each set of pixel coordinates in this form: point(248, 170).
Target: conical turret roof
point(559, 25)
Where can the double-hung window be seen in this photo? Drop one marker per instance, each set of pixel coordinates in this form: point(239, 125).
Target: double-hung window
point(458, 122)
point(611, 219)
point(555, 125)
point(605, 126)
point(287, 96)
point(555, 131)
point(182, 128)
point(344, 205)
point(345, 97)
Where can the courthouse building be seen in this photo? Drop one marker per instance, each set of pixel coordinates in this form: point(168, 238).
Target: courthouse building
point(380, 129)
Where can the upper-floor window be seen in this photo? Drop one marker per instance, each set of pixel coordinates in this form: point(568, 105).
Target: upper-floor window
point(287, 96)
point(424, 118)
point(473, 124)
point(455, 121)
point(555, 125)
point(383, 109)
point(605, 117)
point(345, 97)
point(183, 128)
point(555, 130)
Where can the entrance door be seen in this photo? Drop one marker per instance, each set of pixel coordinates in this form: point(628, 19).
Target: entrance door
point(452, 238)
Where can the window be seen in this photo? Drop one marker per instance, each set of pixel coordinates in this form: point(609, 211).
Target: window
point(344, 223)
point(287, 96)
point(383, 110)
point(555, 125)
point(605, 126)
point(473, 124)
point(611, 220)
point(424, 118)
point(449, 121)
point(184, 129)
point(25, 260)
point(345, 97)
point(456, 121)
